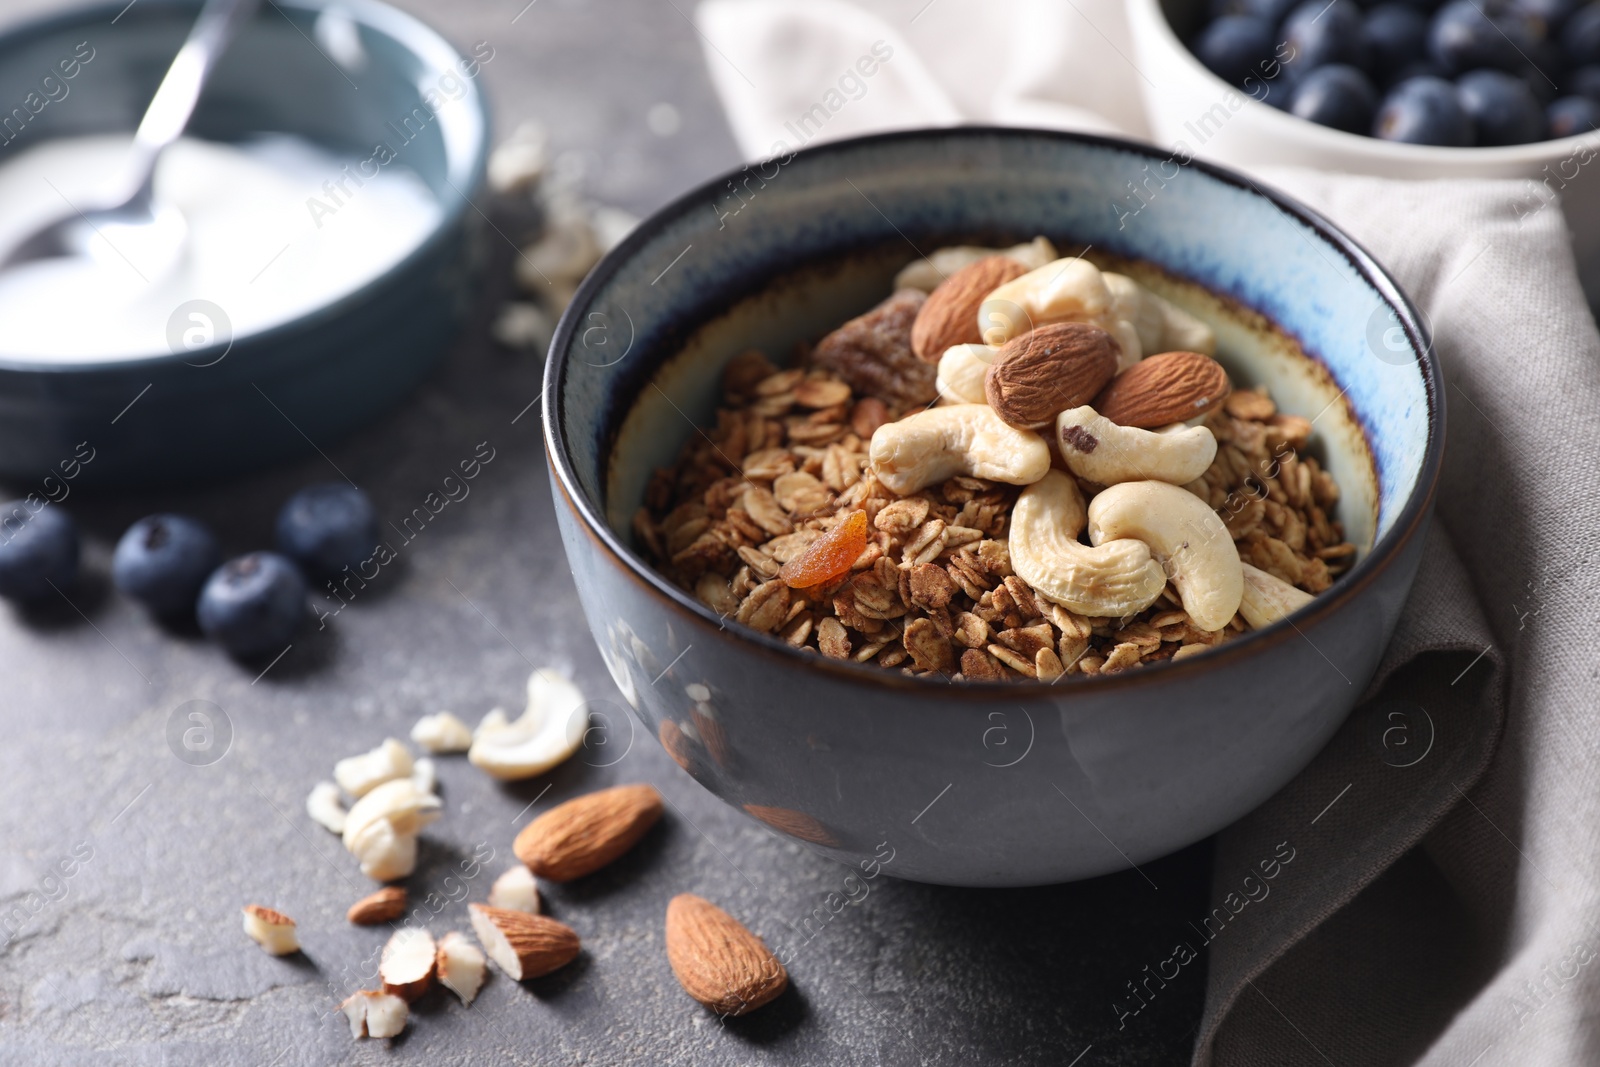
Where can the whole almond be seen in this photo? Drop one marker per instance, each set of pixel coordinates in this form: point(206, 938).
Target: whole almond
point(386, 905)
point(1164, 389)
point(717, 960)
point(523, 945)
point(1048, 370)
point(588, 832)
point(950, 315)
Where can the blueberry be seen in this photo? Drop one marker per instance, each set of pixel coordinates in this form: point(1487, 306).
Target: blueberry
point(1422, 68)
point(1235, 46)
point(1395, 35)
point(327, 528)
point(1551, 14)
point(1464, 37)
point(1424, 111)
point(1271, 10)
point(37, 549)
point(253, 605)
point(1502, 108)
point(1585, 81)
point(1339, 96)
point(1572, 115)
point(163, 560)
point(1580, 37)
point(1323, 32)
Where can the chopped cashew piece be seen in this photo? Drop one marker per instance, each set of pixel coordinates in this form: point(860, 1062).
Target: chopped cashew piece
point(442, 733)
point(325, 807)
point(549, 731)
point(1099, 450)
point(461, 966)
point(516, 889)
point(493, 719)
point(424, 776)
point(961, 371)
point(272, 930)
point(385, 854)
point(1185, 535)
point(926, 274)
point(1109, 581)
point(400, 803)
point(930, 446)
point(1268, 598)
point(358, 775)
point(375, 1014)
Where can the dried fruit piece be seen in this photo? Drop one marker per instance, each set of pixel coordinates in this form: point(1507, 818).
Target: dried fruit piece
point(717, 960)
point(588, 832)
point(517, 890)
point(386, 905)
point(272, 930)
point(522, 945)
point(950, 315)
point(375, 1014)
point(829, 556)
point(406, 966)
point(1049, 370)
point(1161, 390)
point(460, 965)
point(872, 352)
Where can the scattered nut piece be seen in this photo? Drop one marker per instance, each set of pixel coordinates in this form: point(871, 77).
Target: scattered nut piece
point(1268, 598)
point(522, 945)
point(406, 966)
point(325, 808)
point(385, 854)
point(547, 733)
point(717, 960)
point(399, 803)
point(272, 930)
point(460, 966)
point(386, 905)
point(939, 443)
point(373, 1013)
point(1185, 535)
point(588, 832)
point(517, 890)
point(358, 775)
point(442, 733)
point(1104, 452)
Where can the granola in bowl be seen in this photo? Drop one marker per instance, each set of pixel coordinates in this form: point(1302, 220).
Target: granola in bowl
point(915, 489)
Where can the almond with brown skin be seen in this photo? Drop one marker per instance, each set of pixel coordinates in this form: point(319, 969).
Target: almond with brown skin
point(950, 315)
point(1048, 370)
point(386, 905)
point(523, 945)
point(1161, 390)
point(588, 832)
point(717, 960)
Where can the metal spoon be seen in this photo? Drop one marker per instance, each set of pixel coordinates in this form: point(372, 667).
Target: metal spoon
point(131, 213)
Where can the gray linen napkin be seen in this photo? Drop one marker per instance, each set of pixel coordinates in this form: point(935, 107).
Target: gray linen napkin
point(1440, 907)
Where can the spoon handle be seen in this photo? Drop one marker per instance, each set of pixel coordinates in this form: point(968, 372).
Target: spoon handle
point(164, 120)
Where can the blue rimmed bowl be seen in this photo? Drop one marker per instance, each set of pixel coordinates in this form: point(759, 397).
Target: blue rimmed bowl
point(986, 784)
point(345, 75)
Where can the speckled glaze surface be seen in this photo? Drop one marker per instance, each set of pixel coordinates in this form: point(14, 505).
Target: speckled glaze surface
point(1039, 784)
point(259, 398)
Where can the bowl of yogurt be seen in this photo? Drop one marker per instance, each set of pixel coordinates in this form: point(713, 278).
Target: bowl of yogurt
point(315, 254)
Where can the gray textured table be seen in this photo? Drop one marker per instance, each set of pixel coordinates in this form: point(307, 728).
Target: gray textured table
point(137, 956)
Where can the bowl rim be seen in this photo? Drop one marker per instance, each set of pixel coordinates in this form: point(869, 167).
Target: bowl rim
point(1356, 144)
point(1408, 524)
point(418, 38)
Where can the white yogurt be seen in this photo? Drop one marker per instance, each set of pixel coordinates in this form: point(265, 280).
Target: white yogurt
point(274, 228)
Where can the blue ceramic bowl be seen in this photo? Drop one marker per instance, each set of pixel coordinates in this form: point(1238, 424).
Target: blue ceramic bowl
point(986, 784)
point(214, 411)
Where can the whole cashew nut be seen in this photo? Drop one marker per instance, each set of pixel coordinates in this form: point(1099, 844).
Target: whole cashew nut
point(1162, 326)
point(1108, 581)
point(1099, 450)
point(961, 371)
point(927, 273)
point(1067, 290)
point(1185, 535)
point(1268, 598)
point(930, 446)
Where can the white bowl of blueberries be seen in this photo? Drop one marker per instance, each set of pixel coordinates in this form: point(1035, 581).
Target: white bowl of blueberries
point(1392, 88)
